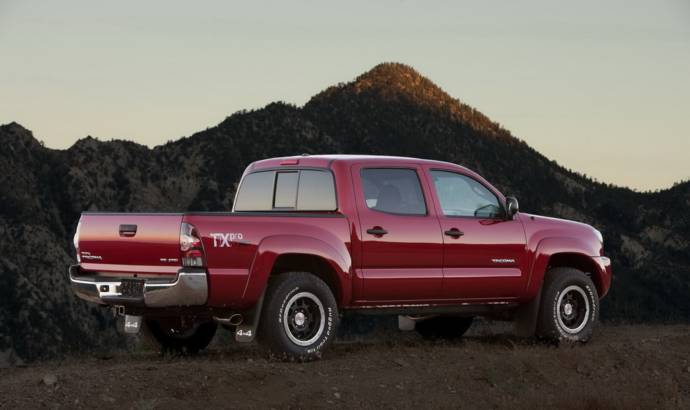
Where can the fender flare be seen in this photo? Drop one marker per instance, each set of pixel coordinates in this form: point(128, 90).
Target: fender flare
point(548, 247)
point(527, 314)
point(272, 247)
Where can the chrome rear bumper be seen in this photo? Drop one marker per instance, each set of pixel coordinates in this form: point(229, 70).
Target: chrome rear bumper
point(189, 288)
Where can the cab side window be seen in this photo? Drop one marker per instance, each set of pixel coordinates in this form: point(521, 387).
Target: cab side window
point(461, 195)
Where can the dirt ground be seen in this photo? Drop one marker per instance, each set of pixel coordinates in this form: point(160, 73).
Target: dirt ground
point(622, 367)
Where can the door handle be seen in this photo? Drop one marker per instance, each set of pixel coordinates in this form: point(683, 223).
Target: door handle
point(454, 232)
point(377, 230)
point(128, 230)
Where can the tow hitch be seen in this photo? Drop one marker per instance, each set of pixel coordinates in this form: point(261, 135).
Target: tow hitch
point(132, 324)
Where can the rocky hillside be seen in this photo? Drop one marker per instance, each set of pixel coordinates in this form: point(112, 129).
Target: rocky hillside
point(390, 110)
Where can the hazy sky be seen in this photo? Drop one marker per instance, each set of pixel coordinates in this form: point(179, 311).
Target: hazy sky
point(602, 87)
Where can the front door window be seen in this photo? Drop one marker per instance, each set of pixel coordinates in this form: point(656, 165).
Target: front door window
point(461, 195)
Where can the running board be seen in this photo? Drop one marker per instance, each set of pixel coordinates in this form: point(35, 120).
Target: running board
point(465, 309)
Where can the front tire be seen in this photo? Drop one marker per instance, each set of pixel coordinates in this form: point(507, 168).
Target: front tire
point(175, 335)
point(569, 306)
point(299, 318)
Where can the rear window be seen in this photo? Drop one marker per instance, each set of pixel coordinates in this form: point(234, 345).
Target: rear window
point(316, 191)
point(294, 190)
point(256, 192)
point(286, 190)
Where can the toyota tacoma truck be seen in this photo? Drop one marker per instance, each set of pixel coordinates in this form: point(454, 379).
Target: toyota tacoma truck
point(310, 237)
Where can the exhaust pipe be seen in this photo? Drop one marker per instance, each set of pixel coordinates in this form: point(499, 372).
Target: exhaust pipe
point(234, 320)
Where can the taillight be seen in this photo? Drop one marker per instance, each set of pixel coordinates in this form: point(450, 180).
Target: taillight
point(191, 247)
point(75, 241)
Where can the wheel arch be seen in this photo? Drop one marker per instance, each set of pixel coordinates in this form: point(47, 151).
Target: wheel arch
point(564, 252)
point(297, 253)
point(583, 263)
point(312, 264)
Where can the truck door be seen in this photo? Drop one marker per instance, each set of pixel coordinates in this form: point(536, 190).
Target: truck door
point(400, 237)
point(484, 253)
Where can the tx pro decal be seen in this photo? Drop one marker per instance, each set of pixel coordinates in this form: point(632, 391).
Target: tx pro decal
point(225, 239)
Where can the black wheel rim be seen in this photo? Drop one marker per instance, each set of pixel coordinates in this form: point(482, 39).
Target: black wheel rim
point(573, 309)
point(304, 319)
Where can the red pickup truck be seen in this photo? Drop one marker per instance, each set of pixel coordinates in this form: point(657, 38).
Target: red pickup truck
point(312, 236)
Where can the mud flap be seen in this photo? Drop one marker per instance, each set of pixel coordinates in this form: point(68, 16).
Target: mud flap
point(247, 333)
point(525, 322)
point(132, 324)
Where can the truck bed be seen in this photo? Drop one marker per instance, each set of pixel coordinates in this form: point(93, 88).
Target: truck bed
point(115, 248)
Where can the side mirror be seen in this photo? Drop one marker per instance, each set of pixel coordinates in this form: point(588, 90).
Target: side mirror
point(512, 206)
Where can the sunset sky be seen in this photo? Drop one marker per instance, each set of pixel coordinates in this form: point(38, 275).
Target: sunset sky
point(601, 87)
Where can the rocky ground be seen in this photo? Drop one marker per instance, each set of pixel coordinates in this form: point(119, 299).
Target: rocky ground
point(623, 367)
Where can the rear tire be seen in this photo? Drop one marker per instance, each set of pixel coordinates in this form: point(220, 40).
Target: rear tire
point(444, 327)
point(299, 318)
point(569, 306)
point(172, 335)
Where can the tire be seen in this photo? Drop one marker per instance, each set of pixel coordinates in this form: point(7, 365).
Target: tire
point(444, 327)
point(299, 317)
point(171, 335)
point(569, 306)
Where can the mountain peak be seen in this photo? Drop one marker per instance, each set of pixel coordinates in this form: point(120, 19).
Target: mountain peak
point(14, 134)
point(392, 74)
point(396, 84)
point(13, 127)
point(397, 81)
point(391, 83)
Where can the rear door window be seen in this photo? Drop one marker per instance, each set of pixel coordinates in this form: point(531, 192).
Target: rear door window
point(393, 190)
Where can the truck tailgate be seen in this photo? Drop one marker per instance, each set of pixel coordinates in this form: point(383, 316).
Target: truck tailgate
point(142, 244)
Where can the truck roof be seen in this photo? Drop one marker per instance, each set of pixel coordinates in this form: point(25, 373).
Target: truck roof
point(325, 161)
